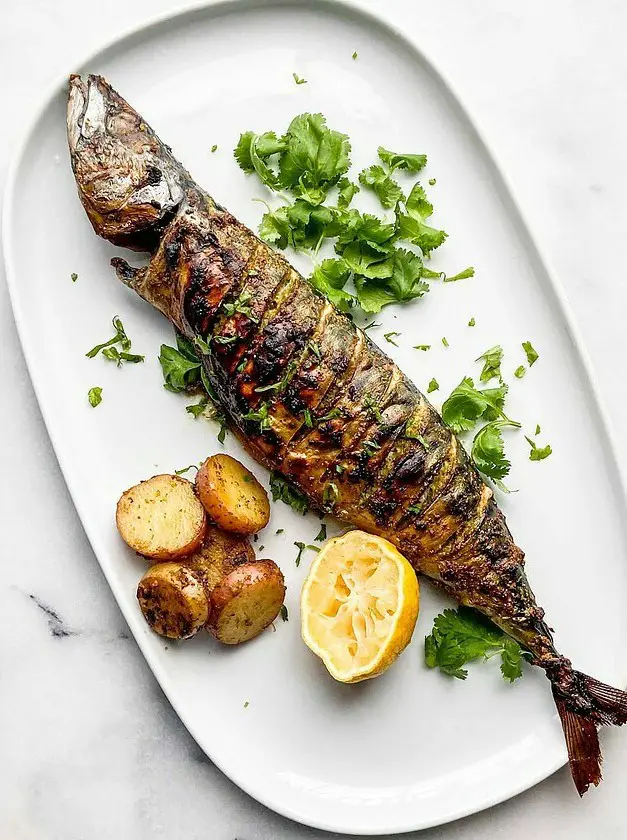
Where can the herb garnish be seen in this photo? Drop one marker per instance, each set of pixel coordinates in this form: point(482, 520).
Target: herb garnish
point(283, 490)
point(330, 494)
point(424, 347)
point(298, 79)
point(186, 469)
point(472, 322)
point(463, 635)
point(530, 352)
point(538, 453)
point(74, 277)
point(322, 533)
point(467, 405)
point(214, 148)
point(433, 386)
point(491, 359)
point(390, 336)
point(109, 351)
point(445, 341)
point(301, 546)
point(94, 395)
point(520, 371)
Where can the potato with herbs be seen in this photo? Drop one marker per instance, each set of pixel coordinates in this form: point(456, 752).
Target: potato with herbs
point(246, 601)
point(232, 496)
point(161, 518)
point(173, 600)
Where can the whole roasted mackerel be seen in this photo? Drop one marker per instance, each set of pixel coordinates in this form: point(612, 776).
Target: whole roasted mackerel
point(310, 395)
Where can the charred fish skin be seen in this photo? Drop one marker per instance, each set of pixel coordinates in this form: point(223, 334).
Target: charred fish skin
point(311, 396)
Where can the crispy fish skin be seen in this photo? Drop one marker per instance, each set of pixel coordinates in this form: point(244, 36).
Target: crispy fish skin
point(311, 396)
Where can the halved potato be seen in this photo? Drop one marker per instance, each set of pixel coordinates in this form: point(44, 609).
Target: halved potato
point(232, 496)
point(161, 518)
point(246, 601)
point(218, 554)
point(173, 600)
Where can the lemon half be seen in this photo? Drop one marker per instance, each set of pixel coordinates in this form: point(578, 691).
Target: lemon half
point(359, 606)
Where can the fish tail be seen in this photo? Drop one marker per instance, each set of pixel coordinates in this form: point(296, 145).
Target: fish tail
point(583, 703)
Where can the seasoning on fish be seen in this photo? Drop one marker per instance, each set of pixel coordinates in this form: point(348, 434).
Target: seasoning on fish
point(311, 396)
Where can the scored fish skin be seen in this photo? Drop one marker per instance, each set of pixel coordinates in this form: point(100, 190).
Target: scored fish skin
point(310, 395)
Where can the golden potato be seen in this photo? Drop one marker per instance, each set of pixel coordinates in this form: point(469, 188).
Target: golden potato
point(173, 600)
point(161, 518)
point(218, 555)
point(246, 601)
point(232, 496)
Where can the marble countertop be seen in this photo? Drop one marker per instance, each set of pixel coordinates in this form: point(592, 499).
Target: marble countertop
point(91, 749)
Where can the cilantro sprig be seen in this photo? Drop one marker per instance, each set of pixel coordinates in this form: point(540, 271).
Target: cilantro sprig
point(380, 260)
point(464, 635)
point(109, 349)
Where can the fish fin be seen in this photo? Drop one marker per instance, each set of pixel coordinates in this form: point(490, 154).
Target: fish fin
point(582, 742)
point(583, 703)
point(126, 273)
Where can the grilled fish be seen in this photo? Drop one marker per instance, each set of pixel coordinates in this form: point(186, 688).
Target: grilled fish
point(309, 394)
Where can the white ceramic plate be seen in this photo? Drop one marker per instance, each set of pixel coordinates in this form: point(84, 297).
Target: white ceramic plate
point(412, 749)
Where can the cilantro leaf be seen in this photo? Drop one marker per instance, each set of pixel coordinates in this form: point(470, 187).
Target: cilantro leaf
point(198, 408)
point(314, 157)
point(488, 451)
point(329, 278)
point(412, 226)
point(275, 228)
point(282, 490)
point(434, 385)
point(299, 79)
point(94, 395)
point(322, 533)
point(423, 347)
point(390, 336)
point(530, 352)
point(463, 635)
point(347, 191)
point(411, 163)
point(466, 405)
point(472, 322)
point(366, 261)
point(385, 188)
point(404, 283)
point(492, 359)
point(253, 149)
point(179, 371)
point(538, 453)
point(418, 205)
point(74, 277)
point(462, 275)
point(520, 371)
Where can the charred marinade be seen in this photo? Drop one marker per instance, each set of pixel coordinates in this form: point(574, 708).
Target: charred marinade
point(311, 396)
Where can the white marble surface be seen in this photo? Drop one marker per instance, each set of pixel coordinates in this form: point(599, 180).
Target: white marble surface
point(90, 748)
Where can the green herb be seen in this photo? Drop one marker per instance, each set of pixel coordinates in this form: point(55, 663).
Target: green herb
point(308, 418)
point(538, 453)
point(246, 704)
point(371, 405)
point(284, 613)
point(537, 431)
point(433, 386)
point(424, 347)
point(370, 447)
point(197, 408)
point(464, 635)
point(488, 450)
point(403, 282)
point(202, 345)
point(241, 304)
point(330, 277)
point(414, 509)
point(322, 533)
point(520, 371)
point(180, 367)
point(389, 337)
point(492, 359)
point(384, 187)
point(412, 225)
point(466, 405)
point(411, 163)
point(225, 339)
point(261, 416)
point(74, 277)
point(263, 388)
point(94, 395)
point(282, 490)
point(315, 349)
point(330, 494)
point(120, 338)
point(339, 468)
point(472, 322)
point(302, 547)
point(214, 148)
point(280, 530)
point(445, 341)
point(186, 469)
point(299, 80)
point(332, 415)
point(115, 355)
point(432, 182)
point(462, 275)
point(530, 352)
point(354, 55)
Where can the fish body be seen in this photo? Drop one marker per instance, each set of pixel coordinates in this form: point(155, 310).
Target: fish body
point(311, 396)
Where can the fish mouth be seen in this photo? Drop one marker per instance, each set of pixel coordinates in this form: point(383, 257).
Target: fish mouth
point(128, 180)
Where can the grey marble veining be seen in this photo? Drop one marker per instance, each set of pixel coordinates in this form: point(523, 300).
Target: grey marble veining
point(91, 750)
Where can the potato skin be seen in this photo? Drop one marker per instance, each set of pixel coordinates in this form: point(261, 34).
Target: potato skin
point(232, 496)
point(246, 601)
point(161, 518)
point(173, 600)
point(219, 553)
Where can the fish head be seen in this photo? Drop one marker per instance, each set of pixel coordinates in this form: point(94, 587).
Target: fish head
point(128, 181)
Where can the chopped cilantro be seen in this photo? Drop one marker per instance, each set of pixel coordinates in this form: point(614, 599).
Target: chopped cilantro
point(384, 187)
point(371, 405)
point(186, 469)
point(433, 386)
point(198, 408)
point(530, 352)
point(424, 347)
point(289, 495)
point(492, 359)
point(432, 182)
point(466, 405)
point(330, 494)
point(74, 277)
point(520, 371)
point(415, 509)
point(472, 322)
point(411, 163)
point(322, 533)
point(462, 275)
point(109, 351)
point(538, 453)
point(301, 546)
point(298, 79)
point(260, 415)
point(538, 430)
point(214, 148)
point(94, 395)
point(390, 336)
point(488, 450)
point(180, 367)
point(354, 55)
point(445, 341)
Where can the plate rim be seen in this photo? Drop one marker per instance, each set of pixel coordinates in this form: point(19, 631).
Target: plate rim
point(380, 19)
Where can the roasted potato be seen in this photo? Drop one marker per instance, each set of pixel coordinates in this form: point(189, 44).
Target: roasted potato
point(173, 600)
point(246, 601)
point(161, 518)
point(218, 555)
point(232, 496)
